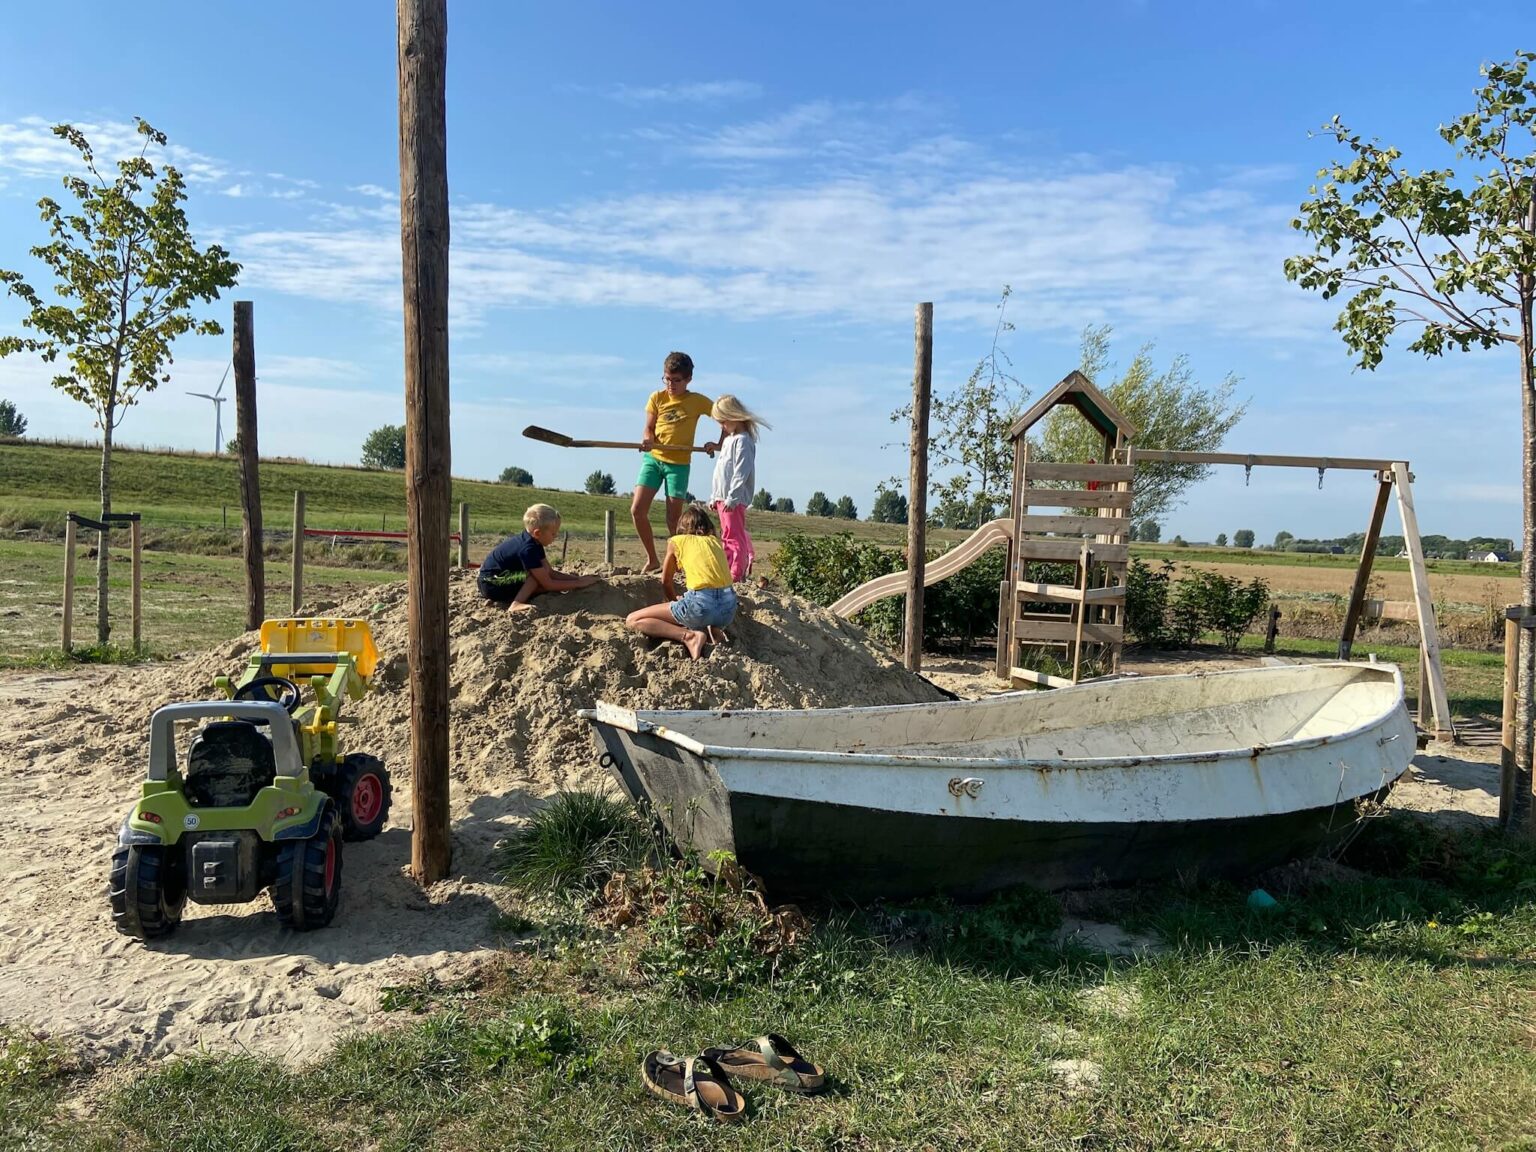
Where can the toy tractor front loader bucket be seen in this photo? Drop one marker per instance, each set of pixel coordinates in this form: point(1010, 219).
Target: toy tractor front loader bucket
point(323, 639)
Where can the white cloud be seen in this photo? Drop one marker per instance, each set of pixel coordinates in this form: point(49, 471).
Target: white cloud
point(29, 148)
point(701, 92)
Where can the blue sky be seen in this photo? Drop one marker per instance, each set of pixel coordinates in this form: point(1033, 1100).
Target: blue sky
point(772, 191)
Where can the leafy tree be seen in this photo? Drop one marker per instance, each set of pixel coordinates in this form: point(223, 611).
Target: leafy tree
point(1169, 408)
point(763, 500)
point(1179, 542)
point(890, 507)
point(232, 446)
point(521, 477)
point(784, 504)
point(846, 509)
point(1282, 540)
point(600, 483)
point(968, 429)
point(1151, 531)
point(1221, 539)
point(126, 273)
point(819, 505)
point(12, 422)
point(385, 447)
point(1243, 538)
point(1450, 254)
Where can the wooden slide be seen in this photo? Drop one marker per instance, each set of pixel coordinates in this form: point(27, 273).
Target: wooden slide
point(894, 584)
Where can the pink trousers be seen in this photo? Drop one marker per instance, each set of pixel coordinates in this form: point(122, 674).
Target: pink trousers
point(734, 539)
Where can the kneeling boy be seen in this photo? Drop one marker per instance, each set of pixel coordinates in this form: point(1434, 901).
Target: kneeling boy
point(516, 570)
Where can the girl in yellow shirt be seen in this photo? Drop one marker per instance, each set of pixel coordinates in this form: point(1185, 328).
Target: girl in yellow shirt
point(710, 601)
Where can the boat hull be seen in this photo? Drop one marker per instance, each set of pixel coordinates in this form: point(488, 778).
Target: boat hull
point(806, 849)
point(971, 797)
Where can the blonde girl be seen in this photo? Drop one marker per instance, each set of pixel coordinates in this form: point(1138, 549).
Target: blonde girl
point(710, 601)
point(735, 480)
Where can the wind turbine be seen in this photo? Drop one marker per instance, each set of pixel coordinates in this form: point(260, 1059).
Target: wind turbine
point(218, 410)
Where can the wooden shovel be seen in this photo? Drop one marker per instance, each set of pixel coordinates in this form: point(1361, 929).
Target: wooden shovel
point(534, 432)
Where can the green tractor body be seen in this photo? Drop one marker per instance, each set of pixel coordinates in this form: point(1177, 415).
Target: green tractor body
point(263, 798)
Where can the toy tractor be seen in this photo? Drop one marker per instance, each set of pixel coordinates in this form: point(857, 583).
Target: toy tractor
point(265, 798)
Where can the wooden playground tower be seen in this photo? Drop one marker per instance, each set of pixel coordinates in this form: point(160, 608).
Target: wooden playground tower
point(1089, 528)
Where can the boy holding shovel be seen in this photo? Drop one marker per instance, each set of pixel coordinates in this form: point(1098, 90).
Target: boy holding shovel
point(671, 415)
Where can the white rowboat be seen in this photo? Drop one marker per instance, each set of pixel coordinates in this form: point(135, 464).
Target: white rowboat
point(1213, 773)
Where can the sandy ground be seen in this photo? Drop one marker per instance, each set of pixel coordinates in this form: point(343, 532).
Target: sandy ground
point(72, 748)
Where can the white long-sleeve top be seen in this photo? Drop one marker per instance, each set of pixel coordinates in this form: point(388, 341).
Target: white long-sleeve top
point(735, 472)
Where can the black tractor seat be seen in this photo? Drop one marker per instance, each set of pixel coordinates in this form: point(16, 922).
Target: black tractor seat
point(228, 763)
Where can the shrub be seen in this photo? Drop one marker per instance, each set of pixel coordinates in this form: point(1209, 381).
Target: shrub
point(518, 476)
point(819, 505)
point(600, 483)
point(1146, 602)
point(1167, 613)
point(784, 504)
point(385, 447)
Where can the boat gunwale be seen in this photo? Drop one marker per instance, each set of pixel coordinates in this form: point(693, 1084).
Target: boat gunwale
point(983, 763)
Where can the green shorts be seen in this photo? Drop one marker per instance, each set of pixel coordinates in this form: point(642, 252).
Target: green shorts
point(655, 473)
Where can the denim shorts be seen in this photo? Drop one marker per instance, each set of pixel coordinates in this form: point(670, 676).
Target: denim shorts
point(703, 608)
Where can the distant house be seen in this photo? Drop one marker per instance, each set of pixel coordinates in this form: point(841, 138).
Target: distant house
point(1489, 557)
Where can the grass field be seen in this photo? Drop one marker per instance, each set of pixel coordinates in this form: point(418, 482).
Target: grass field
point(1385, 1009)
point(39, 483)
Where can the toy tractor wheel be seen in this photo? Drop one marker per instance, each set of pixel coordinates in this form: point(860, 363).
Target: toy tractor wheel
point(146, 890)
point(363, 794)
point(308, 884)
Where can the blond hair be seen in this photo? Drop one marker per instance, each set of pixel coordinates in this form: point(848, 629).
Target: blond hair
point(539, 516)
point(732, 409)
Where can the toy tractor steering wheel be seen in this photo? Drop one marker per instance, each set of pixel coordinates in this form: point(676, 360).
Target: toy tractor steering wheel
point(277, 689)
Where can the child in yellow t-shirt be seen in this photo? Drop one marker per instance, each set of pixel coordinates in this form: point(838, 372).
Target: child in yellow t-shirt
point(710, 601)
point(671, 415)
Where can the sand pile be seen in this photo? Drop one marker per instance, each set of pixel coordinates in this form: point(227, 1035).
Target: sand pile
point(73, 752)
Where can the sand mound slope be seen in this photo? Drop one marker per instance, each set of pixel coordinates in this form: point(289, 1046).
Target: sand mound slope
point(229, 977)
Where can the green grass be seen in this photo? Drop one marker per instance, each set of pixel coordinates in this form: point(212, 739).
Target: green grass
point(186, 490)
point(188, 601)
point(1386, 1009)
point(574, 843)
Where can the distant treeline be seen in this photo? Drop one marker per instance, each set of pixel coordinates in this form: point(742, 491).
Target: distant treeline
point(1435, 547)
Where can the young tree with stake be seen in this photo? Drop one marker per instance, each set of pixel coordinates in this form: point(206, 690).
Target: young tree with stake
point(1451, 256)
point(126, 276)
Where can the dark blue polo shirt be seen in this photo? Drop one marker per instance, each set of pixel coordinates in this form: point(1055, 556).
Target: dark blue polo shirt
point(515, 556)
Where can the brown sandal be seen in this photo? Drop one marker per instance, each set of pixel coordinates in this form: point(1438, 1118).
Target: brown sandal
point(772, 1060)
point(697, 1082)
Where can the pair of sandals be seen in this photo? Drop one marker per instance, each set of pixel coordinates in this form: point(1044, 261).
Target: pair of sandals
point(703, 1083)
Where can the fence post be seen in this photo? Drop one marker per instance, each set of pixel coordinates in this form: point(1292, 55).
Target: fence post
point(67, 640)
point(1274, 628)
point(463, 535)
point(244, 359)
point(917, 486)
point(1509, 803)
point(136, 538)
point(608, 537)
point(298, 552)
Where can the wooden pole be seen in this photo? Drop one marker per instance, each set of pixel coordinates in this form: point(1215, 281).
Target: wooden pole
point(422, 61)
point(67, 640)
point(250, 484)
point(298, 553)
point(608, 536)
point(1084, 565)
point(463, 535)
point(1433, 677)
point(1363, 572)
point(1512, 804)
point(917, 488)
point(136, 539)
point(1273, 630)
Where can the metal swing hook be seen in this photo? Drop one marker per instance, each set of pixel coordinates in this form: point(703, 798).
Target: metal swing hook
point(1320, 477)
point(1247, 471)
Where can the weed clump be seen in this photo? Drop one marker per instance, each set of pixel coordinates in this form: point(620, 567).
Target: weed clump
point(574, 844)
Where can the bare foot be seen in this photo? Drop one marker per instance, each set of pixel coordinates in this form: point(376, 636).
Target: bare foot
point(717, 635)
point(650, 569)
point(694, 642)
point(522, 606)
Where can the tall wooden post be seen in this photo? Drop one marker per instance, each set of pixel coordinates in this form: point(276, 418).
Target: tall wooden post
point(422, 45)
point(298, 552)
point(608, 536)
point(136, 537)
point(1513, 804)
point(917, 487)
point(463, 535)
point(67, 641)
point(250, 484)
